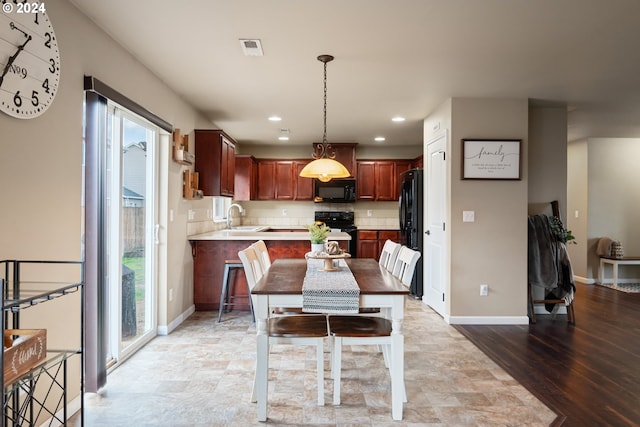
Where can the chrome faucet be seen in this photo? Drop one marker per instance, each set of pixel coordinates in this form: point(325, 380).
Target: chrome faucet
point(231, 206)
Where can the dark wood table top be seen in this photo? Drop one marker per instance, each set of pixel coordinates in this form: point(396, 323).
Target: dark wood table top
point(285, 276)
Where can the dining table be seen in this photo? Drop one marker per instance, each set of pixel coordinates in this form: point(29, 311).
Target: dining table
point(281, 286)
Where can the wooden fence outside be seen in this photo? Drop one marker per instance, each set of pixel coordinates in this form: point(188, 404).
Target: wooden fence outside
point(133, 230)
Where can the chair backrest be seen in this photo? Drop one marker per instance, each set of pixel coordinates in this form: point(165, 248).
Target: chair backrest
point(406, 264)
point(389, 254)
point(252, 268)
point(263, 254)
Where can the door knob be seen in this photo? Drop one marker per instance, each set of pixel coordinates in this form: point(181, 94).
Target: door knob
point(427, 232)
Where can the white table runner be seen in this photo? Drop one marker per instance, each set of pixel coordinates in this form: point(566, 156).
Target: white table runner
point(333, 292)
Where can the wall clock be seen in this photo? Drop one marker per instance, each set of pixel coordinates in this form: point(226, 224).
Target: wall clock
point(29, 60)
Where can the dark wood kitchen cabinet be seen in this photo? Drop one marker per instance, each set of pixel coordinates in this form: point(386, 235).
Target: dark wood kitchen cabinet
point(266, 180)
point(378, 180)
point(215, 162)
point(246, 178)
point(208, 266)
point(368, 244)
point(285, 180)
point(304, 186)
point(280, 180)
point(371, 242)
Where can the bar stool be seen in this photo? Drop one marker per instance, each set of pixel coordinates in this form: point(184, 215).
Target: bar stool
point(226, 300)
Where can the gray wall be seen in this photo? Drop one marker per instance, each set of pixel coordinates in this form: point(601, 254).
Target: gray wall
point(577, 204)
point(613, 200)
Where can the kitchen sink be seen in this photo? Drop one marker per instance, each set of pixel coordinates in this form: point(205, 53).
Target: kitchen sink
point(250, 228)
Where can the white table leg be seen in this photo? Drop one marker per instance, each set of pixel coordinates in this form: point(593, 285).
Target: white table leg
point(262, 356)
point(397, 360)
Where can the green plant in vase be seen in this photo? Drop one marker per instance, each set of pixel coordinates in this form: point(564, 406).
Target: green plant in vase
point(318, 233)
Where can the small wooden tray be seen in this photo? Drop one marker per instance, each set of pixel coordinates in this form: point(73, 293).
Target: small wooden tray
point(21, 357)
point(328, 259)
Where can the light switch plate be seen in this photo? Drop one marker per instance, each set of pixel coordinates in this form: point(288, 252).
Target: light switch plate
point(468, 216)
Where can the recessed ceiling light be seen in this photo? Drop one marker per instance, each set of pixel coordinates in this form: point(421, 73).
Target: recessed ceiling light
point(283, 138)
point(275, 118)
point(379, 138)
point(398, 119)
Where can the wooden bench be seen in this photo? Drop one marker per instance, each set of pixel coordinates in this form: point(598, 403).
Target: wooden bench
point(615, 262)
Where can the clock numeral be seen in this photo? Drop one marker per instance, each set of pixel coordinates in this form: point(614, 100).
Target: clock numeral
point(34, 98)
point(52, 69)
point(47, 42)
point(45, 85)
point(17, 99)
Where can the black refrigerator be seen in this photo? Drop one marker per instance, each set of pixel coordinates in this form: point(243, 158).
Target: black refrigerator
point(411, 221)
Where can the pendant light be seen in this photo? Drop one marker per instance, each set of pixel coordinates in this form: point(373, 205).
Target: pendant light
point(324, 167)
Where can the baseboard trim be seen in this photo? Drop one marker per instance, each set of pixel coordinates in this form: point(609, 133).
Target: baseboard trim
point(167, 329)
point(488, 320)
point(585, 280)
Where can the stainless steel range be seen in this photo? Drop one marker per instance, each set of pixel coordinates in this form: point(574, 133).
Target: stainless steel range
point(343, 221)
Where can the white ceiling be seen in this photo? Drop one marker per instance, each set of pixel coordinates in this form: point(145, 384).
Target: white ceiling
point(393, 57)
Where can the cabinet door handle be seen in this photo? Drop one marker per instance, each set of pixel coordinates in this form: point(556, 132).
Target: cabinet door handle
point(156, 234)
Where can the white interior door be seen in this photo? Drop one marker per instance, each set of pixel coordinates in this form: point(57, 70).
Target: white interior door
point(435, 230)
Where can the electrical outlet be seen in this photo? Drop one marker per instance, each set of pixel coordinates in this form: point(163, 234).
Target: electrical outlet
point(484, 290)
point(284, 212)
point(171, 294)
point(369, 212)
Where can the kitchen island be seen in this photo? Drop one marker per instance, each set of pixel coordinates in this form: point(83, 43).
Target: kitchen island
point(210, 250)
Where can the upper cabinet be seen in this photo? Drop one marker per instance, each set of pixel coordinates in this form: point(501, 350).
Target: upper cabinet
point(215, 162)
point(246, 178)
point(280, 180)
point(345, 154)
point(379, 180)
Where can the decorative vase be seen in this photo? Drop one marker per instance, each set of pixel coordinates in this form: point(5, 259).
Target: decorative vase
point(617, 251)
point(317, 247)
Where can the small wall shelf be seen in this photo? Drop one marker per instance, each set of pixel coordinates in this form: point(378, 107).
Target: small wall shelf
point(190, 185)
point(181, 152)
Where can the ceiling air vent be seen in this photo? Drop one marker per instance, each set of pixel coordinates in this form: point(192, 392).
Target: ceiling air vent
point(251, 47)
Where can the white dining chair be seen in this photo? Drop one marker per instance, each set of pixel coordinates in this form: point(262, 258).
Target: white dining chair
point(263, 254)
point(368, 330)
point(358, 330)
point(308, 329)
point(405, 265)
point(389, 254)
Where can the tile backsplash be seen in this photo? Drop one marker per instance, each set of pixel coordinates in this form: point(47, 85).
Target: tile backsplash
point(368, 215)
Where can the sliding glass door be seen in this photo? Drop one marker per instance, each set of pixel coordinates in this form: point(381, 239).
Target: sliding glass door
point(130, 232)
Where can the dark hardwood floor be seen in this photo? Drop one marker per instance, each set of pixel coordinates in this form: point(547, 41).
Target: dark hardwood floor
point(589, 374)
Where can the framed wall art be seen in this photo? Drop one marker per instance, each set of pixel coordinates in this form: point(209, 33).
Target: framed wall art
point(491, 158)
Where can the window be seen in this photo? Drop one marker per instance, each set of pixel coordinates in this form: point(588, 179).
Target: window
point(220, 207)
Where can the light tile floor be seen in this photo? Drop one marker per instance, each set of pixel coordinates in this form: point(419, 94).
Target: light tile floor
point(202, 373)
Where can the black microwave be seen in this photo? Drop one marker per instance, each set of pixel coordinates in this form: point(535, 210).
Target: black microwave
point(334, 191)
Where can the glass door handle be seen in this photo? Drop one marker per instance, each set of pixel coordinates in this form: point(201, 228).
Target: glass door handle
point(156, 234)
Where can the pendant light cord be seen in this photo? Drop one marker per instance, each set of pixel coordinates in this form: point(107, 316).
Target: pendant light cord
point(324, 135)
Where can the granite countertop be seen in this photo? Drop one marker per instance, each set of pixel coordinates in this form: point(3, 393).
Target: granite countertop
point(263, 233)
